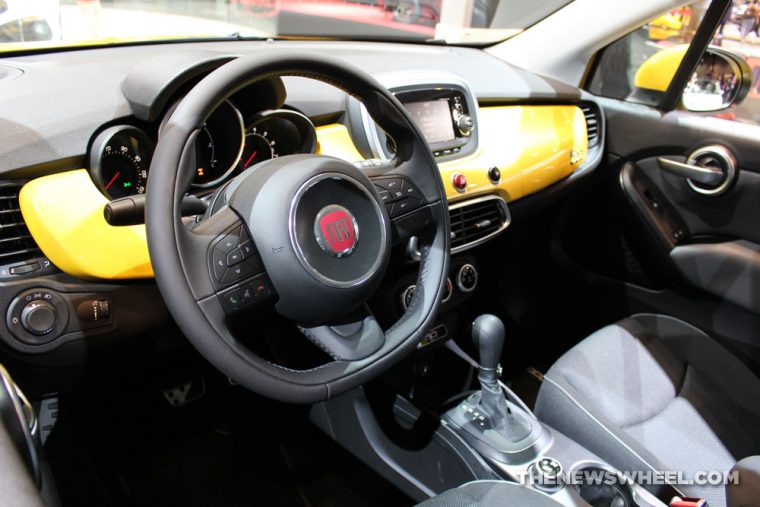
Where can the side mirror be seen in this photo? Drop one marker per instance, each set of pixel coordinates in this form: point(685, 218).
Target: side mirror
point(721, 80)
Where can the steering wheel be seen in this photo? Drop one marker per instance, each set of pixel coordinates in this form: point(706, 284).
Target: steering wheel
point(309, 234)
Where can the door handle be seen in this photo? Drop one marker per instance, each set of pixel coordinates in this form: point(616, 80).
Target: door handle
point(705, 174)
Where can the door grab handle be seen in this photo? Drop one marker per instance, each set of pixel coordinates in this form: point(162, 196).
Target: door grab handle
point(702, 174)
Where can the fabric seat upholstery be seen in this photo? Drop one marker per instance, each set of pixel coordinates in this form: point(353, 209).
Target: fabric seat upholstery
point(655, 393)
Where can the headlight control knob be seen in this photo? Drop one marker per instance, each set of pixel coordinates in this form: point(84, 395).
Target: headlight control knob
point(39, 317)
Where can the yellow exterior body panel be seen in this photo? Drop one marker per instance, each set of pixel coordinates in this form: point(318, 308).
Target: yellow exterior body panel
point(64, 213)
point(531, 145)
point(658, 70)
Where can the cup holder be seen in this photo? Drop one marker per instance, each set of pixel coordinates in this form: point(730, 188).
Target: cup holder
point(602, 487)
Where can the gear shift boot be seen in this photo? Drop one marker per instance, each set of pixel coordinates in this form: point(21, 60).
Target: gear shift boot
point(498, 429)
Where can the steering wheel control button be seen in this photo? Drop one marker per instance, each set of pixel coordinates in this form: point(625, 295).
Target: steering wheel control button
point(37, 316)
point(246, 295)
point(336, 230)
point(219, 263)
point(392, 185)
point(399, 195)
point(411, 192)
point(229, 242)
point(247, 249)
point(237, 273)
point(459, 181)
point(234, 257)
point(467, 278)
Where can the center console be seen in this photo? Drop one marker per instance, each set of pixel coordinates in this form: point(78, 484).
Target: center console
point(487, 435)
point(521, 448)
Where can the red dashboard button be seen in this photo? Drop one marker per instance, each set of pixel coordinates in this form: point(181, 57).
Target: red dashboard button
point(459, 181)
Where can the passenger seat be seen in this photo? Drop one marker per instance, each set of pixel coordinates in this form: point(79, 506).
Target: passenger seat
point(653, 393)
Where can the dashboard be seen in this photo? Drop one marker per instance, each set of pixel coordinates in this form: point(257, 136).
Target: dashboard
point(499, 134)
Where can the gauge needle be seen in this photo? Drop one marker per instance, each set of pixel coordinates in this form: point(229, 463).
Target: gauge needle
point(118, 173)
point(247, 162)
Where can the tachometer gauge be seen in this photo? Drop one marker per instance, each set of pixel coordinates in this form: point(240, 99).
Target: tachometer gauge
point(119, 161)
point(258, 147)
point(219, 146)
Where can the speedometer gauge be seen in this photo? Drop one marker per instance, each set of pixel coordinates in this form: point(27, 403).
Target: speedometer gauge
point(119, 161)
point(275, 133)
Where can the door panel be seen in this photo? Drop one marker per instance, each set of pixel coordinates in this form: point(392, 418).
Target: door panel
point(676, 215)
point(730, 270)
point(703, 251)
point(732, 215)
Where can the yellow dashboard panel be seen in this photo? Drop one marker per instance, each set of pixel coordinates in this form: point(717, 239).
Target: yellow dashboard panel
point(64, 213)
point(532, 146)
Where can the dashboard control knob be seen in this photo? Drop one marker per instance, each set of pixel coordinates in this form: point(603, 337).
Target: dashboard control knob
point(459, 181)
point(467, 278)
point(39, 317)
point(494, 175)
point(407, 295)
point(465, 125)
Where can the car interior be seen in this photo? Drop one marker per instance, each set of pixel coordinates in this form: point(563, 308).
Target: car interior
point(332, 270)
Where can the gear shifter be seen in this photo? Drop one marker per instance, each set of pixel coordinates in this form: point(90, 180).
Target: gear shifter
point(498, 429)
point(488, 335)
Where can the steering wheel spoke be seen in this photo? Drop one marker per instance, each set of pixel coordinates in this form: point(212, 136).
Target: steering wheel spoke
point(354, 337)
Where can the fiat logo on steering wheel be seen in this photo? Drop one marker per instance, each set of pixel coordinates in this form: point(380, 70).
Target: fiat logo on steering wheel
point(336, 230)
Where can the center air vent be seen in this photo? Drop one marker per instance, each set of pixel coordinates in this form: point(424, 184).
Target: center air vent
point(16, 244)
point(592, 124)
point(477, 220)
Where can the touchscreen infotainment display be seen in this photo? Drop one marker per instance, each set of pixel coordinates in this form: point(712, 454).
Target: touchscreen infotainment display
point(434, 119)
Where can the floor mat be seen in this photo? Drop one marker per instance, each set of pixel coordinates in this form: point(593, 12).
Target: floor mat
point(229, 449)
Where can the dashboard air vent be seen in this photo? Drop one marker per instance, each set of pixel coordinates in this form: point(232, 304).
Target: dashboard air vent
point(476, 220)
point(16, 243)
point(592, 124)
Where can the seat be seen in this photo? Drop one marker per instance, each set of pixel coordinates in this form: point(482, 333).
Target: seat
point(653, 393)
point(491, 494)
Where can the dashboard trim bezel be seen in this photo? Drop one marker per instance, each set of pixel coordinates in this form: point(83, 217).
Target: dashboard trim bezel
point(403, 83)
point(484, 239)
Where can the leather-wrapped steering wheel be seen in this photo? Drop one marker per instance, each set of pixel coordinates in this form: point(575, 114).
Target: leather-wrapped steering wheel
point(309, 234)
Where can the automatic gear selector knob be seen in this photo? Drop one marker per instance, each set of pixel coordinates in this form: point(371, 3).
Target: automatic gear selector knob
point(488, 335)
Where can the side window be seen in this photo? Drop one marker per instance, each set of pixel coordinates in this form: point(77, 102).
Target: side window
point(640, 66)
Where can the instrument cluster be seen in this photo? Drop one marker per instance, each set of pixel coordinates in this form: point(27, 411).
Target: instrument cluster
point(227, 144)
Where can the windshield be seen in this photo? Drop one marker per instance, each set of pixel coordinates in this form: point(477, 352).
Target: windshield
point(34, 24)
